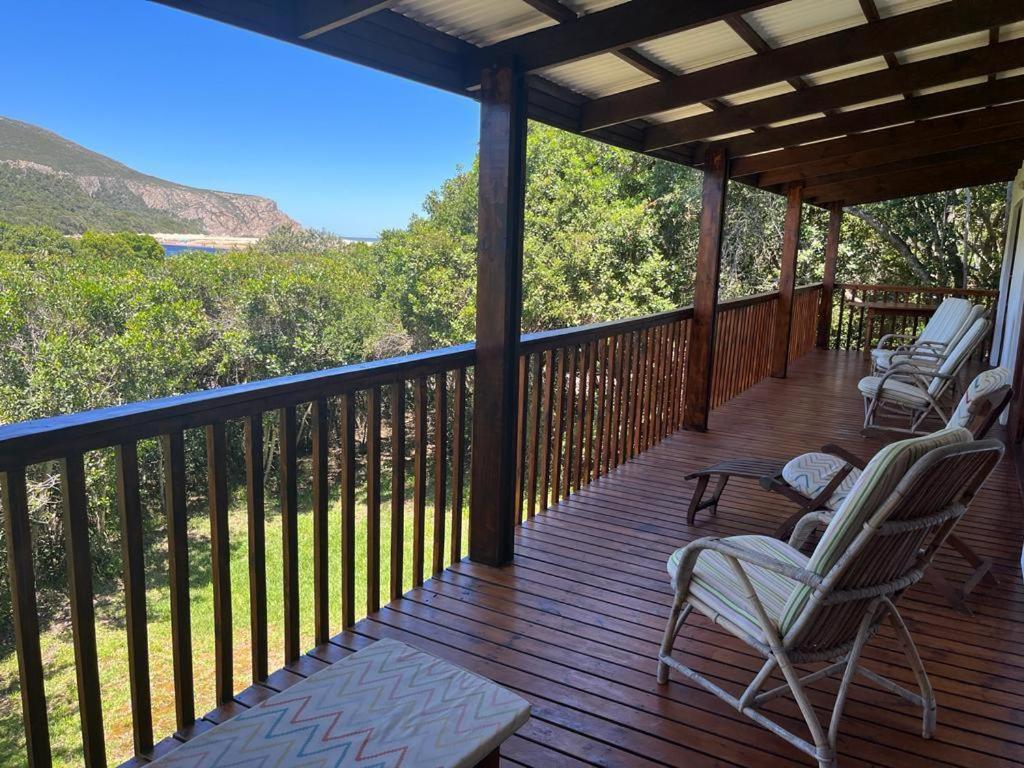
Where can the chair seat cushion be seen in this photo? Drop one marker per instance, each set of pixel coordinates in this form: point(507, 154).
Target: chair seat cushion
point(717, 591)
point(897, 391)
point(810, 473)
point(385, 706)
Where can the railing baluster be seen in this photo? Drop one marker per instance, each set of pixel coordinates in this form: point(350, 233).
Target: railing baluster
point(419, 493)
point(458, 461)
point(255, 503)
point(581, 404)
point(521, 437)
point(220, 561)
point(440, 469)
point(570, 422)
point(373, 425)
point(617, 387)
point(545, 428)
point(397, 489)
point(532, 428)
point(629, 407)
point(83, 619)
point(178, 573)
point(288, 465)
point(321, 599)
point(556, 429)
point(25, 616)
point(587, 471)
point(604, 351)
point(129, 509)
point(348, 510)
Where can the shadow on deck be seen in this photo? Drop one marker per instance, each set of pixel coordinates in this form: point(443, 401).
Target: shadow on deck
point(574, 624)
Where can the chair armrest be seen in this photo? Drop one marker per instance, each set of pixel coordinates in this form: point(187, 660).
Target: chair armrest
point(742, 554)
point(845, 455)
point(806, 524)
point(887, 337)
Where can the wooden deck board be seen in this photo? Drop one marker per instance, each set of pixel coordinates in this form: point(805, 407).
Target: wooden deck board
point(574, 624)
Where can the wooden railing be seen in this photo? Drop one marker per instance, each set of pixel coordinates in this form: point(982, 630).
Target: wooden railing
point(591, 398)
point(849, 316)
point(594, 397)
point(328, 404)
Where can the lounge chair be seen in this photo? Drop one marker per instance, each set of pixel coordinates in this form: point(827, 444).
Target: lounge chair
point(794, 609)
point(822, 480)
point(943, 330)
point(918, 389)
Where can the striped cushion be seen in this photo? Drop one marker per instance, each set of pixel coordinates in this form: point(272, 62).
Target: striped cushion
point(877, 481)
point(896, 391)
point(948, 320)
point(964, 347)
point(716, 586)
point(985, 384)
point(809, 474)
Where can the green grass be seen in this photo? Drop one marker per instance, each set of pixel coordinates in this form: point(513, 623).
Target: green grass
point(58, 650)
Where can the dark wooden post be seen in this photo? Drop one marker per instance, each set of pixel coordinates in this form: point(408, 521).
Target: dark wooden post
point(700, 348)
point(787, 279)
point(499, 286)
point(828, 278)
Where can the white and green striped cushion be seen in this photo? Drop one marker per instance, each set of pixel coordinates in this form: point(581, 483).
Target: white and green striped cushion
point(967, 344)
point(894, 390)
point(715, 584)
point(948, 321)
point(984, 385)
point(881, 476)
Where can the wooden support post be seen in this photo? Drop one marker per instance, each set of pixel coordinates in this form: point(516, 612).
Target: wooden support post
point(828, 278)
point(502, 188)
point(787, 279)
point(700, 348)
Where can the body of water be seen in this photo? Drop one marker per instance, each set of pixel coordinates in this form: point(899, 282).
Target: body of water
point(172, 250)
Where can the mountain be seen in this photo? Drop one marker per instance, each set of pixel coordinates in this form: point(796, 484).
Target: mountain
point(47, 180)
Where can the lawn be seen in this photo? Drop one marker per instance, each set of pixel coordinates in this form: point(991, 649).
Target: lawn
point(58, 650)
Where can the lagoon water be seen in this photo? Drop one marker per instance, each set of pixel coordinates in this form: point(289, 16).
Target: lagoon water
point(173, 250)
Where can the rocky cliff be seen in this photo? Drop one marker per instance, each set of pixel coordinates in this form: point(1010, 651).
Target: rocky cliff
point(46, 179)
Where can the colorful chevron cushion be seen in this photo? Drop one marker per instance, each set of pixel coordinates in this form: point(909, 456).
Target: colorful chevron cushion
point(387, 706)
point(810, 473)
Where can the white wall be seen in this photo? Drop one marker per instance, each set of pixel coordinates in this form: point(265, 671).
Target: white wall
point(1011, 284)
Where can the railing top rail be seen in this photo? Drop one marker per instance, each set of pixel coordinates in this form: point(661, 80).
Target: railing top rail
point(919, 289)
point(39, 440)
point(543, 340)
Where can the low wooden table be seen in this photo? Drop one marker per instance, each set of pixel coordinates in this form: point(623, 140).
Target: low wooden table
point(387, 705)
point(891, 309)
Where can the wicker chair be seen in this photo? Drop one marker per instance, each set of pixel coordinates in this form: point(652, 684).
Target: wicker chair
point(943, 330)
point(823, 609)
point(918, 389)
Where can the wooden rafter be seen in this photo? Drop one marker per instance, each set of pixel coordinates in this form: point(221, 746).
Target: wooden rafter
point(317, 17)
point(951, 68)
point(870, 118)
point(832, 50)
point(604, 31)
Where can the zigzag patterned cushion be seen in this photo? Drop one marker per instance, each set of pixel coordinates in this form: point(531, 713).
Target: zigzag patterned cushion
point(985, 384)
point(387, 706)
point(810, 473)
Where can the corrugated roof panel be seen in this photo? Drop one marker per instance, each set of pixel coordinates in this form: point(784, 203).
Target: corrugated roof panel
point(724, 136)
point(950, 86)
point(598, 76)
point(793, 120)
point(887, 8)
point(480, 23)
point(943, 47)
point(698, 48)
point(690, 110)
point(845, 71)
point(1010, 73)
point(872, 103)
point(591, 6)
point(799, 20)
point(1011, 31)
point(755, 94)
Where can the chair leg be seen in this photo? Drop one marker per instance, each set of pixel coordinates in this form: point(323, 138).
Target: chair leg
point(695, 501)
point(982, 565)
point(676, 618)
point(852, 660)
point(928, 705)
point(824, 751)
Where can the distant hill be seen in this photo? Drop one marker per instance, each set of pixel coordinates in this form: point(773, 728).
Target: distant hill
point(47, 180)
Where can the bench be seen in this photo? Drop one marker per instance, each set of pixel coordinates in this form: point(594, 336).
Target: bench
point(386, 706)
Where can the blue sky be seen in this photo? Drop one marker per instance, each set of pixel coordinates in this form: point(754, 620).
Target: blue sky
point(337, 145)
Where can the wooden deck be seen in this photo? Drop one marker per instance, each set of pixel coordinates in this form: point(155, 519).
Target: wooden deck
point(574, 624)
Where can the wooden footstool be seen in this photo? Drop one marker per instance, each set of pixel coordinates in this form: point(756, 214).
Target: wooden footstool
point(386, 706)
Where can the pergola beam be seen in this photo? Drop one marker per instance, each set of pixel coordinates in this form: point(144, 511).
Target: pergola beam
point(964, 131)
point(883, 115)
point(826, 51)
point(603, 32)
point(317, 17)
point(923, 181)
point(954, 67)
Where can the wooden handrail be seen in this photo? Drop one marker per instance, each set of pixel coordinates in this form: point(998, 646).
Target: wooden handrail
point(944, 291)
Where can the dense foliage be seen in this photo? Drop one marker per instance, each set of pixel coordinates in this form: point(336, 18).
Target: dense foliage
point(107, 318)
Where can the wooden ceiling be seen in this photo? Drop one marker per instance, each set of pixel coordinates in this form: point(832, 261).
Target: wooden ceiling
point(859, 100)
